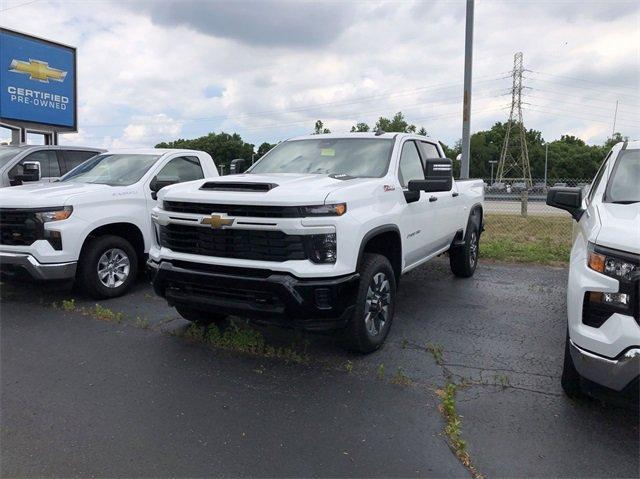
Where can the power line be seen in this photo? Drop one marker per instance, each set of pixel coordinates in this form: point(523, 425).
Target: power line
point(20, 5)
point(570, 115)
point(579, 97)
point(581, 105)
point(573, 87)
point(593, 116)
point(607, 87)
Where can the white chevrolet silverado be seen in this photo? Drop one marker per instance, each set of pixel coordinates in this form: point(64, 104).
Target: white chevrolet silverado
point(93, 225)
point(316, 234)
point(602, 350)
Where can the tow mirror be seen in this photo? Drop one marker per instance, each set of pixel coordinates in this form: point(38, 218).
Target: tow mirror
point(158, 183)
point(568, 199)
point(237, 166)
point(438, 176)
point(30, 171)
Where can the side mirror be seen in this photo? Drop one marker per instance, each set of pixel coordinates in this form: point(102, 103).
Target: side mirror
point(158, 183)
point(237, 166)
point(438, 176)
point(568, 199)
point(30, 171)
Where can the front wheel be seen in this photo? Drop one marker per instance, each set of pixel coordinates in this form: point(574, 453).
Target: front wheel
point(464, 259)
point(375, 304)
point(107, 267)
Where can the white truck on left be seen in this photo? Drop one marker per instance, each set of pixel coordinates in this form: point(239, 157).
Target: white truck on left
point(94, 224)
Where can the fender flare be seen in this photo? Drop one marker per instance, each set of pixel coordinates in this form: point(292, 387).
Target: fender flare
point(388, 228)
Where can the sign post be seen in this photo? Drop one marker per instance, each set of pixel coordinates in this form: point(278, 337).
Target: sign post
point(38, 86)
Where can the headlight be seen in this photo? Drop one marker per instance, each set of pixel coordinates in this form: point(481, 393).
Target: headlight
point(337, 209)
point(58, 214)
point(610, 265)
point(322, 248)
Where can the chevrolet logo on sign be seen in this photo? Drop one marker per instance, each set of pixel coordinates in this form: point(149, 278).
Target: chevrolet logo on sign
point(217, 221)
point(37, 70)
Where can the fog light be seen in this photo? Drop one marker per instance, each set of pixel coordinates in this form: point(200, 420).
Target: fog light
point(618, 299)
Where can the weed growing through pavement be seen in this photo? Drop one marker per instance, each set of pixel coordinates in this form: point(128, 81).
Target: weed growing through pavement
point(404, 343)
point(105, 314)
point(69, 304)
point(349, 367)
point(380, 372)
point(501, 379)
point(400, 378)
point(142, 323)
point(436, 351)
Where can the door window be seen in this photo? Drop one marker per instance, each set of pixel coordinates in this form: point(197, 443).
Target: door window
point(183, 168)
point(429, 150)
point(49, 167)
point(598, 177)
point(410, 164)
point(74, 158)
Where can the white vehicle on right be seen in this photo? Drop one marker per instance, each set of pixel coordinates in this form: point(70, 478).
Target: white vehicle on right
point(602, 352)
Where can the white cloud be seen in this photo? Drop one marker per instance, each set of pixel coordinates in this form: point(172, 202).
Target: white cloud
point(143, 79)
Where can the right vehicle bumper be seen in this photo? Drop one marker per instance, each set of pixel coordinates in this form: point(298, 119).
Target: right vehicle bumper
point(263, 295)
point(15, 262)
point(615, 374)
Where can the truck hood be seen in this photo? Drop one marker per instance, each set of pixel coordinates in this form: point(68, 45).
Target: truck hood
point(620, 227)
point(40, 195)
point(284, 189)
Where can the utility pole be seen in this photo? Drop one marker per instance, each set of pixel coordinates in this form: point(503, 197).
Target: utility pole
point(466, 106)
point(514, 158)
point(615, 116)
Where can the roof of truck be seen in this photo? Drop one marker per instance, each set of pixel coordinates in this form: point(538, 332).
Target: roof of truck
point(360, 135)
point(150, 151)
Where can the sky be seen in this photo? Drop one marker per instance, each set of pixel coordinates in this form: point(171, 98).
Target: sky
point(151, 71)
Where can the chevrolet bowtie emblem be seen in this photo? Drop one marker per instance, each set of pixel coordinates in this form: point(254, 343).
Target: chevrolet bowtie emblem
point(37, 70)
point(217, 221)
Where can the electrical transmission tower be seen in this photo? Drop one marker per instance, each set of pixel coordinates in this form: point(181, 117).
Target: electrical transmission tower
point(514, 158)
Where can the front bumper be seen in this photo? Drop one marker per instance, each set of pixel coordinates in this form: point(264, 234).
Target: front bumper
point(615, 374)
point(262, 295)
point(11, 263)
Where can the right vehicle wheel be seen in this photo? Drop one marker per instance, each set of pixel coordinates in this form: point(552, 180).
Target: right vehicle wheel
point(464, 259)
point(570, 380)
point(375, 304)
point(200, 316)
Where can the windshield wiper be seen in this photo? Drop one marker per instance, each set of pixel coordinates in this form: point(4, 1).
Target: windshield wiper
point(625, 202)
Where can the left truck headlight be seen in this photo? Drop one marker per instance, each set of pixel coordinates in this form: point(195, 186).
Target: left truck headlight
point(57, 214)
point(611, 265)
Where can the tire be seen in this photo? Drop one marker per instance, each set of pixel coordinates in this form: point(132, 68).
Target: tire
point(200, 316)
point(570, 379)
point(367, 330)
point(464, 259)
point(118, 261)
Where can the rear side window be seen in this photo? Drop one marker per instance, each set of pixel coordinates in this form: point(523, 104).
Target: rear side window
point(74, 158)
point(48, 159)
point(184, 168)
point(410, 164)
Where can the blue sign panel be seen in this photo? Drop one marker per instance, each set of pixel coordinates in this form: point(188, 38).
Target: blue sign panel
point(37, 81)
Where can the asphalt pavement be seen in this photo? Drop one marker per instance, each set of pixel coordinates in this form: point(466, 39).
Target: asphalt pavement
point(83, 397)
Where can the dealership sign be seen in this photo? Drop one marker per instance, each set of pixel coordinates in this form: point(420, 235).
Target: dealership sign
point(37, 82)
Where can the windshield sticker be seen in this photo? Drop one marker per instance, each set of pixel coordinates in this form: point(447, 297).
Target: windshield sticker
point(327, 152)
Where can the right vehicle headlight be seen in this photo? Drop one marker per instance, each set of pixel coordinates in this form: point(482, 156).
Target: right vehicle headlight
point(611, 265)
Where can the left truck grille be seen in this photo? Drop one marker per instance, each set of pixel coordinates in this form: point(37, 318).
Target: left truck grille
point(19, 227)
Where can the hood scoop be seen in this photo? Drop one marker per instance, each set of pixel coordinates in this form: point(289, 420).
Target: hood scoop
point(237, 186)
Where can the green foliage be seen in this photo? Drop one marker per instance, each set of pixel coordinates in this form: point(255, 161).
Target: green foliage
point(105, 314)
point(436, 351)
point(360, 128)
point(401, 378)
point(264, 149)
point(380, 371)
point(320, 129)
point(68, 304)
point(223, 147)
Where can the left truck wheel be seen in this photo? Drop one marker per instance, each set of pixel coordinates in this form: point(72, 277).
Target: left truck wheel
point(107, 267)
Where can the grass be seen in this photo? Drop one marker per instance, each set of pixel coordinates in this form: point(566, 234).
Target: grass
point(436, 351)
point(535, 239)
point(380, 371)
point(400, 378)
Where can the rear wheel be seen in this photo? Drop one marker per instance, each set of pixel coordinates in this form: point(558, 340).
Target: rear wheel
point(570, 380)
point(375, 304)
point(200, 316)
point(464, 259)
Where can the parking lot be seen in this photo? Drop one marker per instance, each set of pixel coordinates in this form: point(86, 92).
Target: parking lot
point(123, 392)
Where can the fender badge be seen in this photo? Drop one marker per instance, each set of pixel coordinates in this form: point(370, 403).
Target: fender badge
point(389, 188)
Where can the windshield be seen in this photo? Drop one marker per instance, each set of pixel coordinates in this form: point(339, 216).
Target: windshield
point(624, 184)
point(113, 170)
point(359, 157)
point(7, 153)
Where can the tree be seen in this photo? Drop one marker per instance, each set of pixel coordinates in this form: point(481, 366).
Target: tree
point(360, 128)
point(320, 129)
point(263, 149)
point(223, 147)
point(396, 124)
point(422, 131)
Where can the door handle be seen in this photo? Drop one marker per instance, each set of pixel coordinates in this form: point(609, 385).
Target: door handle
point(432, 199)
point(455, 194)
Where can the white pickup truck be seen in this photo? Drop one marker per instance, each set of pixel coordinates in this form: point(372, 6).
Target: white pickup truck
point(93, 225)
point(602, 350)
point(316, 234)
